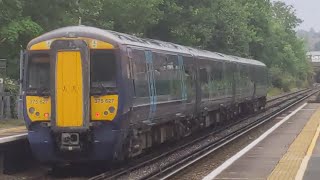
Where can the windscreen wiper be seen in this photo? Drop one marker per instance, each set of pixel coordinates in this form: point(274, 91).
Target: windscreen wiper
point(43, 91)
point(105, 90)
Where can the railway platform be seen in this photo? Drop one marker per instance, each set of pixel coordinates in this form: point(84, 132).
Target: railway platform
point(15, 153)
point(13, 134)
point(289, 150)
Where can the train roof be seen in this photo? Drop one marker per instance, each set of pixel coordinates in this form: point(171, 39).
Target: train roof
point(117, 39)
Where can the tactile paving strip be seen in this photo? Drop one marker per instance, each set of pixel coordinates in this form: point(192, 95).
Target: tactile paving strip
point(289, 165)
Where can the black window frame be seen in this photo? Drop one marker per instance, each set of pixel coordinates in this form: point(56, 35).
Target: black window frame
point(138, 60)
point(104, 89)
point(26, 64)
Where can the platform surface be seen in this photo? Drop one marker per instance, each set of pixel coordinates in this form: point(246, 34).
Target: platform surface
point(281, 153)
point(13, 134)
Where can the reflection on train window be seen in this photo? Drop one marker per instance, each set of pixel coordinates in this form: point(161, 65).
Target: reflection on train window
point(203, 75)
point(216, 84)
point(229, 68)
point(140, 77)
point(190, 74)
point(167, 79)
point(39, 72)
point(204, 79)
point(244, 76)
point(103, 69)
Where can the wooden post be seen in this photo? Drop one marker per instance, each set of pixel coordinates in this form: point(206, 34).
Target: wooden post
point(1, 99)
point(7, 108)
point(19, 98)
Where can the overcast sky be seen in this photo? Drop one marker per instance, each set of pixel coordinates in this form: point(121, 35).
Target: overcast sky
point(308, 11)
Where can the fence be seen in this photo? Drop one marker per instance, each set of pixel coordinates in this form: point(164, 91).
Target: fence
point(10, 106)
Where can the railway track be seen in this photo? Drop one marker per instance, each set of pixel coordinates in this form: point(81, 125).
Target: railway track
point(169, 163)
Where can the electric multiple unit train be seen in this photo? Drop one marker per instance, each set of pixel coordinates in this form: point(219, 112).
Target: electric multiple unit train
point(97, 95)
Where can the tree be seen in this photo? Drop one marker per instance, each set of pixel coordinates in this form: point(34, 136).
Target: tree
point(261, 30)
point(15, 32)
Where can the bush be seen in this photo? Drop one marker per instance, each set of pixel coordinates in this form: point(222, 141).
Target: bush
point(283, 80)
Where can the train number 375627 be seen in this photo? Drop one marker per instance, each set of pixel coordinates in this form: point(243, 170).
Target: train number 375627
point(34, 101)
point(103, 101)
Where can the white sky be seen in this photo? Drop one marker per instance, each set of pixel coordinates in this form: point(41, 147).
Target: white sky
point(308, 11)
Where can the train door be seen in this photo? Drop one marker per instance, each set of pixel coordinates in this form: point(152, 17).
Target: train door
point(71, 84)
point(190, 84)
point(142, 98)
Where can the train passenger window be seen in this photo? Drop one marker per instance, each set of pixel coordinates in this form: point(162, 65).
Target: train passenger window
point(229, 77)
point(190, 74)
point(216, 71)
point(103, 69)
point(162, 73)
point(243, 76)
point(216, 81)
point(203, 75)
point(167, 79)
point(204, 78)
point(38, 72)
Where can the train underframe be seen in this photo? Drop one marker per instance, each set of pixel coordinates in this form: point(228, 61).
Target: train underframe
point(143, 137)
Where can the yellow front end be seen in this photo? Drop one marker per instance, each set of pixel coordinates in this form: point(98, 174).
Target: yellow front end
point(104, 107)
point(69, 93)
point(38, 108)
point(69, 105)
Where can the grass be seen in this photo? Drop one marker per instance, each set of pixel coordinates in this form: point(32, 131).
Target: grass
point(11, 123)
point(274, 92)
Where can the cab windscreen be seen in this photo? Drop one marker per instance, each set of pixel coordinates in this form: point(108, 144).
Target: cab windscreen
point(38, 72)
point(103, 70)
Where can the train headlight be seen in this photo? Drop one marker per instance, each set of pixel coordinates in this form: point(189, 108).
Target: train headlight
point(32, 110)
point(105, 113)
point(111, 109)
point(46, 115)
point(37, 114)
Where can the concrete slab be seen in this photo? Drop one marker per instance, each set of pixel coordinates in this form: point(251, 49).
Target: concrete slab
point(313, 169)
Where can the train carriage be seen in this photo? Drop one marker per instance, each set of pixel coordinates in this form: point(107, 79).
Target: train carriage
point(98, 95)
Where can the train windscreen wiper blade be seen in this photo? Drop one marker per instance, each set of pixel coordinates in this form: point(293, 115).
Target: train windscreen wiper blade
point(42, 91)
point(106, 88)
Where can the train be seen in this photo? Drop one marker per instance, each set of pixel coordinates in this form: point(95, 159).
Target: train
point(98, 95)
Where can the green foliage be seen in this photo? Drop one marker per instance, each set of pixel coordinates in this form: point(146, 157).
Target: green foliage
point(272, 92)
point(12, 86)
point(262, 30)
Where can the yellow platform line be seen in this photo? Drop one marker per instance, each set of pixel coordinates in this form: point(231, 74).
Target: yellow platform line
point(289, 165)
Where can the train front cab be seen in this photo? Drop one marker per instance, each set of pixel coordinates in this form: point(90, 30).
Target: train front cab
point(71, 99)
